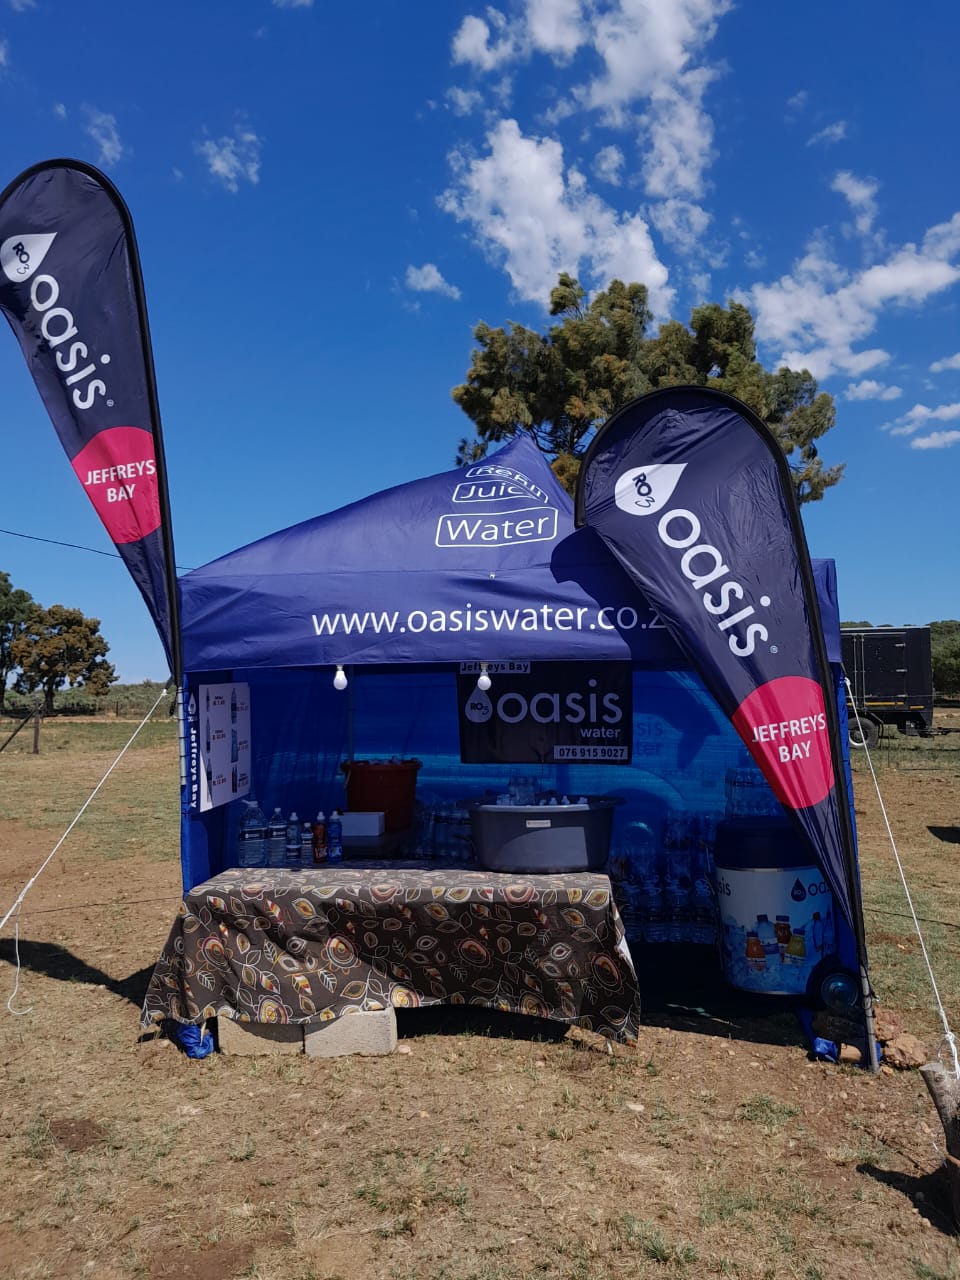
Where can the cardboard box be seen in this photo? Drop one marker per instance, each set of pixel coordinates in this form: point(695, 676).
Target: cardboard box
point(369, 823)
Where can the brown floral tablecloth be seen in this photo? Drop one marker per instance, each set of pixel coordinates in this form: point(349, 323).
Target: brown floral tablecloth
point(280, 946)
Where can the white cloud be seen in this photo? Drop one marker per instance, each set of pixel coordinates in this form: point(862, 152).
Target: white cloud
point(607, 165)
point(292, 4)
point(754, 259)
point(819, 310)
point(860, 194)
point(463, 101)
point(649, 81)
point(4, 54)
point(679, 137)
point(796, 104)
point(472, 42)
point(537, 218)
point(555, 26)
point(102, 128)
point(60, 111)
point(943, 240)
point(681, 224)
point(936, 440)
point(427, 279)
point(18, 6)
point(828, 136)
point(869, 390)
point(232, 160)
point(918, 417)
point(700, 284)
point(950, 362)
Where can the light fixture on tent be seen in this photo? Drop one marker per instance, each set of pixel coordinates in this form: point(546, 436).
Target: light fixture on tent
point(340, 679)
point(483, 680)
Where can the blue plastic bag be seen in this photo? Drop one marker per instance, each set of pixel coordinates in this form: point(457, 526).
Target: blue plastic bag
point(193, 1040)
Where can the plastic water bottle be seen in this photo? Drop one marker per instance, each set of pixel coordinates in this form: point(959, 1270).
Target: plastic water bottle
point(335, 838)
point(276, 839)
point(252, 850)
point(292, 838)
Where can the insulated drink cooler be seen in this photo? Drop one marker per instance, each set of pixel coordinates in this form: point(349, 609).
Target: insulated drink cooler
point(384, 786)
point(543, 838)
point(776, 913)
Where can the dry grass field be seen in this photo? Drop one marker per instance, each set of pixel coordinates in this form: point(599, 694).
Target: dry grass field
point(484, 1149)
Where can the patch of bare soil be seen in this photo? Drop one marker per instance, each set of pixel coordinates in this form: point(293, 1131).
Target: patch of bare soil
point(487, 1148)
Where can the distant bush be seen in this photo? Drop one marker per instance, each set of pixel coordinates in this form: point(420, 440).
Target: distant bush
point(123, 701)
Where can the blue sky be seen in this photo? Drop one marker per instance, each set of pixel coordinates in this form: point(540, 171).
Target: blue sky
point(328, 198)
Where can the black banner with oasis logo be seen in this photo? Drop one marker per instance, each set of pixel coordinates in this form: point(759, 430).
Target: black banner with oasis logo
point(550, 713)
point(72, 291)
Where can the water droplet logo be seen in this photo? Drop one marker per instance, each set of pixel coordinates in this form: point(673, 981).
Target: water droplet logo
point(798, 892)
point(20, 256)
point(643, 491)
point(479, 708)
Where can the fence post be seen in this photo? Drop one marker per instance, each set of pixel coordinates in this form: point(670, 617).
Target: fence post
point(36, 733)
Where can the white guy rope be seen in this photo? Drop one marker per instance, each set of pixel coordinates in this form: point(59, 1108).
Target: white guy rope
point(37, 874)
point(948, 1037)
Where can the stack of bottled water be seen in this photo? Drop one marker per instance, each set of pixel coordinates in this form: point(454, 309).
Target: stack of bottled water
point(748, 794)
point(663, 887)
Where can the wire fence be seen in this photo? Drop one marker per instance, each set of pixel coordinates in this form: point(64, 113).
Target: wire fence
point(895, 752)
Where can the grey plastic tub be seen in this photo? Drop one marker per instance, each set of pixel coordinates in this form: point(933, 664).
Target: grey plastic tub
point(529, 838)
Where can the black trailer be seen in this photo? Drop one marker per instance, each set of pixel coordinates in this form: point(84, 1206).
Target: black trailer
point(891, 680)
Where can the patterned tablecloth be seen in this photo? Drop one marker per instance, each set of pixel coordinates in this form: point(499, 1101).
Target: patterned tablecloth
point(280, 946)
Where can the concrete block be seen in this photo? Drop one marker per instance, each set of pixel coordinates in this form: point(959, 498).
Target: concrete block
point(247, 1039)
point(366, 1031)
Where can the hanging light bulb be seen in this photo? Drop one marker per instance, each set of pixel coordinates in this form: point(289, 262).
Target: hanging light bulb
point(340, 679)
point(483, 680)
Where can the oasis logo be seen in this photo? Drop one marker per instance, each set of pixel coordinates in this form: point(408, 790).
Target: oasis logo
point(20, 256)
point(644, 491)
point(556, 711)
point(546, 707)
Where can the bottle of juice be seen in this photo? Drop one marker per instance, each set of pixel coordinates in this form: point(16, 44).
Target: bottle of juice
point(756, 958)
point(796, 952)
point(319, 833)
point(782, 928)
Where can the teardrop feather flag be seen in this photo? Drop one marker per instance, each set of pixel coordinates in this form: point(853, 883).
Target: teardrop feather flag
point(71, 289)
point(692, 494)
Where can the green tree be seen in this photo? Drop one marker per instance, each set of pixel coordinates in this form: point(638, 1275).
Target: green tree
point(14, 607)
point(945, 656)
point(59, 646)
point(560, 386)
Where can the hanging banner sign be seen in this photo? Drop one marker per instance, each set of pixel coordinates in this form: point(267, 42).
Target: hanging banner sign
point(218, 745)
point(692, 494)
point(71, 289)
point(554, 712)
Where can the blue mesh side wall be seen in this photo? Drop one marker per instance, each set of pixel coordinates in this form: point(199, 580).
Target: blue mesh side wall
point(303, 729)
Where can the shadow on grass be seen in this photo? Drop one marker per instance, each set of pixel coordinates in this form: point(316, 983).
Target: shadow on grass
point(929, 1193)
point(56, 962)
point(474, 1020)
point(950, 835)
point(682, 987)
